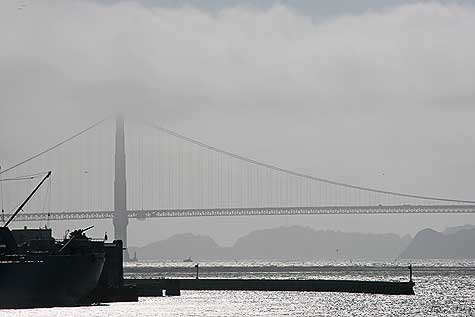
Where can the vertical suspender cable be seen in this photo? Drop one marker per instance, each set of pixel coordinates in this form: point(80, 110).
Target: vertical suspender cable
point(169, 172)
point(141, 170)
point(153, 171)
point(1, 195)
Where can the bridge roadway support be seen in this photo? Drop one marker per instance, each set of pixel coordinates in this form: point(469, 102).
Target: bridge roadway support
point(120, 218)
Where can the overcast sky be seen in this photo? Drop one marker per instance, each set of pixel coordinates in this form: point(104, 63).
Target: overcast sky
point(373, 94)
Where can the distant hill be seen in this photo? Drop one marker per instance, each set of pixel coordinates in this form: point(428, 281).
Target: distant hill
point(284, 243)
point(179, 247)
point(431, 244)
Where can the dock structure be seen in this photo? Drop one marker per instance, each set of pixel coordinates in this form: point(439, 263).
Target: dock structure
point(173, 287)
point(110, 287)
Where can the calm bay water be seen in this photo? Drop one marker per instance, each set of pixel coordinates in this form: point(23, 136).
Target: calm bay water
point(443, 288)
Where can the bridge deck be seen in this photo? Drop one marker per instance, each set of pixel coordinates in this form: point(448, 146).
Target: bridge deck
point(261, 211)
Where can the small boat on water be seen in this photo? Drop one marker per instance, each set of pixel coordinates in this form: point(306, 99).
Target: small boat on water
point(188, 260)
point(38, 271)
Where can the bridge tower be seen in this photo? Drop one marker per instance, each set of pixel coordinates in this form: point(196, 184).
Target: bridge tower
point(120, 219)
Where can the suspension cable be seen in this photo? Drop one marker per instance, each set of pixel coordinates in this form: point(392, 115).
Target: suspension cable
point(23, 177)
point(56, 145)
point(297, 174)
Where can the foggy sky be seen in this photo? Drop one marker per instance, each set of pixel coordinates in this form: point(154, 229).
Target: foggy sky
point(379, 96)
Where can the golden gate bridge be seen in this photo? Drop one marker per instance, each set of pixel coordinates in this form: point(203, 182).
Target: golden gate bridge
point(123, 169)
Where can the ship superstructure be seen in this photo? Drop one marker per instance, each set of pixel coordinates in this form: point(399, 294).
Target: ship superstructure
point(38, 271)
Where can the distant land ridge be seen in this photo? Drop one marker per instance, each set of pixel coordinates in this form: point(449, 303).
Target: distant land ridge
point(457, 243)
point(283, 243)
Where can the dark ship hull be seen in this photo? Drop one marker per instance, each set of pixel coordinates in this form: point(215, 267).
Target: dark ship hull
point(48, 280)
point(38, 271)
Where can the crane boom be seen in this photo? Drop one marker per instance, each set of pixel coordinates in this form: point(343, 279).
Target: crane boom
point(27, 199)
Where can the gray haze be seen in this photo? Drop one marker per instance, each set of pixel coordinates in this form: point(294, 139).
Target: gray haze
point(377, 95)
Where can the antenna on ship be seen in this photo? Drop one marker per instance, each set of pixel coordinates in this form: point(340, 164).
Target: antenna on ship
point(27, 199)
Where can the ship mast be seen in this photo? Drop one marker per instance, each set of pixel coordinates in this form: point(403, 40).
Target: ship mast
point(27, 199)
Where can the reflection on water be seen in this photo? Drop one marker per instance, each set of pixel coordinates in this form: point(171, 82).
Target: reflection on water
point(364, 270)
point(443, 288)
